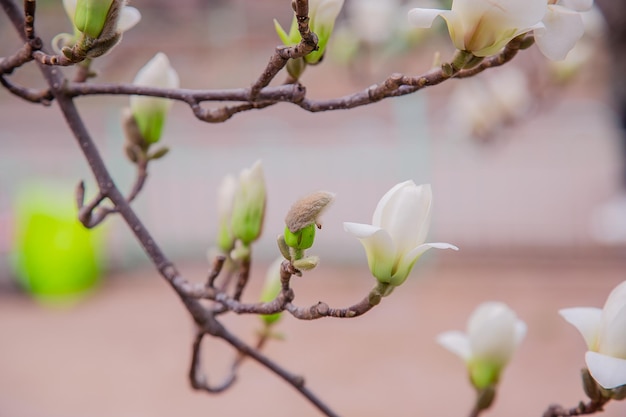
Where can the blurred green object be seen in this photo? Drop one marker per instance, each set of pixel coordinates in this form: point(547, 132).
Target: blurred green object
point(55, 258)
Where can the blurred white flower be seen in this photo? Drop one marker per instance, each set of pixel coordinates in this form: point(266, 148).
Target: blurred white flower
point(481, 105)
point(604, 331)
point(493, 334)
point(584, 50)
point(373, 20)
point(561, 27)
point(395, 239)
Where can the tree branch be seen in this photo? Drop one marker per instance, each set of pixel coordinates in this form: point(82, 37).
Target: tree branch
point(395, 85)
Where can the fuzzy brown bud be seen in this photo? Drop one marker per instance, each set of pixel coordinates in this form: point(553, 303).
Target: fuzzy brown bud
point(306, 210)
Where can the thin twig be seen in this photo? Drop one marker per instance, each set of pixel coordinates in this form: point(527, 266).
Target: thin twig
point(282, 54)
point(581, 409)
point(198, 378)
point(295, 381)
point(91, 218)
point(30, 7)
point(39, 96)
point(242, 279)
point(19, 58)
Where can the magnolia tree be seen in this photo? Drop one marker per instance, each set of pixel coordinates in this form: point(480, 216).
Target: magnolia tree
point(486, 34)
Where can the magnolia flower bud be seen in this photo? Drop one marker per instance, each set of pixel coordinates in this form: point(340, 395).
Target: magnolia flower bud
point(322, 16)
point(306, 211)
point(249, 205)
point(225, 197)
point(493, 334)
point(271, 289)
point(98, 27)
point(91, 15)
point(150, 112)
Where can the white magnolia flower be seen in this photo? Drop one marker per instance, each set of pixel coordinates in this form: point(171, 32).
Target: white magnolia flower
point(483, 27)
point(481, 105)
point(493, 334)
point(395, 239)
point(150, 112)
point(604, 331)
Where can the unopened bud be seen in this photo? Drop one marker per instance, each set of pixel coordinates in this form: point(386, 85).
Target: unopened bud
point(271, 289)
point(91, 16)
point(249, 205)
point(150, 112)
point(306, 210)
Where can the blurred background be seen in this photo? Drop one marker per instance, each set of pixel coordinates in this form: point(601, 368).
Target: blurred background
point(526, 164)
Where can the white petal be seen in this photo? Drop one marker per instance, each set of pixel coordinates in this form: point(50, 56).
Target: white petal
point(615, 301)
point(578, 5)
point(406, 261)
point(457, 343)
point(587, 320)
point(607, 371)
point(501, 14)
point(492, 332)
point(360, 230)
point(520, 332)
point(419, 250)
point(423, 213)
point(384, 201)
point(327, 12)
point(561, 30)
point(406, 216)
point(423, 18)
point(70, 8)
point(379, 248)
point(129, 17)
point(157, 73)
point(613, 334)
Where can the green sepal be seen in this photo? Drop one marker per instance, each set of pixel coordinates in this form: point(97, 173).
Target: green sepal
point(291, 38)
point(150, 125)
point(484, 373)
point(302, 239)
